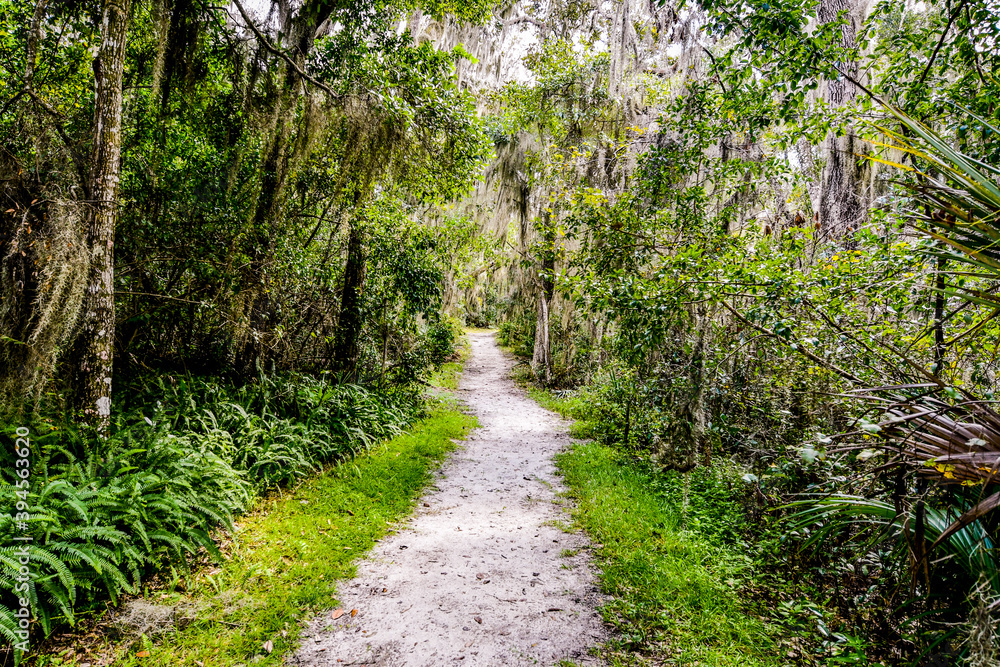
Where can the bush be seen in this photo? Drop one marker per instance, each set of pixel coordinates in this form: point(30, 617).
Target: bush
point(518, 336)
point(442, 334)
point(106, 513)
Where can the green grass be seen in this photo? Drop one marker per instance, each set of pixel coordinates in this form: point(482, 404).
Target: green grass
point(572, 406)
point(668, 553)
point(287, 557)
point(675, 588)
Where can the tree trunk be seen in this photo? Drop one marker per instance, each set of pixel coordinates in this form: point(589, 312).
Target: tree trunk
point(288, 141)
point(541, 358)
point(841, 210)
point(96, 351)
point(351, 318)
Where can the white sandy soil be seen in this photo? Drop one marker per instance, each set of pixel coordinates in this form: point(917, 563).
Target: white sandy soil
point(482, 573)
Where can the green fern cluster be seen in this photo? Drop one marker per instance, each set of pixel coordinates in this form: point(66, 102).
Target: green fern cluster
point(183, 460)
point(99, 523)
point(281, 428)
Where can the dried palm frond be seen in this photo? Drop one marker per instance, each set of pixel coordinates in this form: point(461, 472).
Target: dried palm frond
point(951, 444)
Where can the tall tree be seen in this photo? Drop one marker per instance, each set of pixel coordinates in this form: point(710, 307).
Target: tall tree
point(841, 205)
point(351, 319)
point(96, 347)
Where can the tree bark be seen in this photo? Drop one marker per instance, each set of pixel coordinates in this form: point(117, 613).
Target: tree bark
point(541, 358)
point(841, 209)
point(96, 351)
point(351, 318)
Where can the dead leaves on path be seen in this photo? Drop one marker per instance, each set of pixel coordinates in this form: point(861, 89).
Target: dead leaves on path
point(337, 613)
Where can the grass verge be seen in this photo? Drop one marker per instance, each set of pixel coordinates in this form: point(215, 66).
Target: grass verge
point(668, 559)
point(286, 558)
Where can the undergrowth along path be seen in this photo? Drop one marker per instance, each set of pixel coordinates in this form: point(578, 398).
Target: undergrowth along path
point(487, 572)
point(283, 564)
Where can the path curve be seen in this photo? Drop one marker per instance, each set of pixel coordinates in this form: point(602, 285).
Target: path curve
point(480, 574)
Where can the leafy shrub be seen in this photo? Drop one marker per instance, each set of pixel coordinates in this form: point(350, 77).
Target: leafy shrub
point(441, 337)
point(517, 335)
point(104, 514)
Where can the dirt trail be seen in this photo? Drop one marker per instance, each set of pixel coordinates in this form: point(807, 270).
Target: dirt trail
point(480, 574)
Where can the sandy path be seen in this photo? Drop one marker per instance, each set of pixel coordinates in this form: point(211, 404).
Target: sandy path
point(479, 574)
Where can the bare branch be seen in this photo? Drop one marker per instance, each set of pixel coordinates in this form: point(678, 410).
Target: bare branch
point(527, 19)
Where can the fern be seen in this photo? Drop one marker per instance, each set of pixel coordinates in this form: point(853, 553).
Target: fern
point(105, 515)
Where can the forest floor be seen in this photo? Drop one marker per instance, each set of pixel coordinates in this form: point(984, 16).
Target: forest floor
point(488, 570)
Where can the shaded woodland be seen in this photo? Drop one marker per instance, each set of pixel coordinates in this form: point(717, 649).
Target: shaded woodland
point(753, 241)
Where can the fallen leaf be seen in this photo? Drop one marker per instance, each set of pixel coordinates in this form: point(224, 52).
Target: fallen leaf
point(337, 614)
point(478, 620)
point(268, 646)
point(354, 612)
point(142, 654)
point(480, 575)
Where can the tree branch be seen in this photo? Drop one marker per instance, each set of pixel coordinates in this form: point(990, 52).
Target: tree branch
point(527, 19)
point(940, 43)
point(281, 54)
point(81, 169)
point(798, 347)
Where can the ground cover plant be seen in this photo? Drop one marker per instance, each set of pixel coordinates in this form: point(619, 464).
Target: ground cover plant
point(674, 572)
point(284, 560)
point(103, 520)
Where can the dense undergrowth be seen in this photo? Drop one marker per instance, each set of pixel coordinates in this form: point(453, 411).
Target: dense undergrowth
point(672, 564)
point(104, 514)
point(716, 564)
point(284, 559)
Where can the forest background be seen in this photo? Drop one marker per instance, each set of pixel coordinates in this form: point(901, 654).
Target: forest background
point(748, 243)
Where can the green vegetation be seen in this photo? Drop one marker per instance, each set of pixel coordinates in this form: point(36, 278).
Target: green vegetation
point(691, 574)
point(284, 560)
point(104, 519)
point(224, 244)
point(769, 251)
point(676, 582)
point(738, 235)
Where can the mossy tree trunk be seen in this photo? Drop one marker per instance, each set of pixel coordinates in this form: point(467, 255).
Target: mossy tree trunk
point(351, 319)
point(841, 209)
point(541, 359)
point(96, 347)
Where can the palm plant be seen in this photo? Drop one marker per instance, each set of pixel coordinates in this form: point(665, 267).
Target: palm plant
point(955, 200)
point(957, 203)
point(949, 444)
